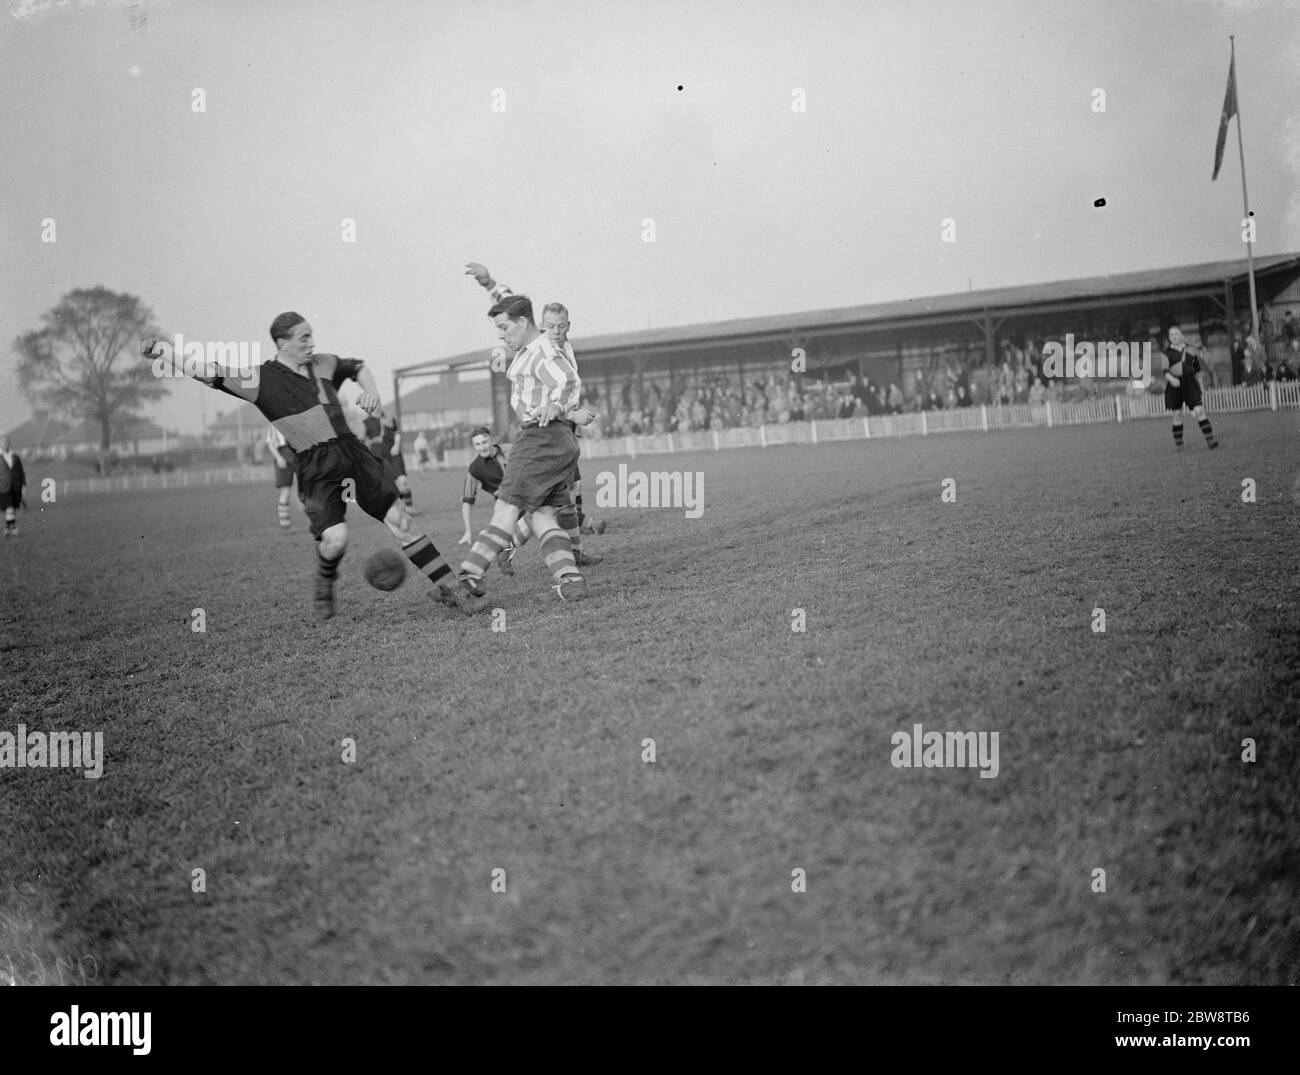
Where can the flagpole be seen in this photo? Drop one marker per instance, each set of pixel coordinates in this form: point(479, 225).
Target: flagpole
point(1245, 199)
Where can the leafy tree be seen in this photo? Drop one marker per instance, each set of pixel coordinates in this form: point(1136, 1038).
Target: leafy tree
point(85, 362)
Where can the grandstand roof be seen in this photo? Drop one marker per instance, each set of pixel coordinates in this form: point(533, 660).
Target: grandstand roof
point(1149, 284)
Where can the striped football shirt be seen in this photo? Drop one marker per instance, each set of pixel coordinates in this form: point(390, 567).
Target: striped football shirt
point(546, 375)
point(542, 374)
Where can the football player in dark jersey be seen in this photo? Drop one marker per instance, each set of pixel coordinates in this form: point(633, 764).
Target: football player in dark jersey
point(384, 440)
point(1182, 388)
point(297, 392)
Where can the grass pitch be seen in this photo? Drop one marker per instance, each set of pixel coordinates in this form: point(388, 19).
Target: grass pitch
point(521, 749)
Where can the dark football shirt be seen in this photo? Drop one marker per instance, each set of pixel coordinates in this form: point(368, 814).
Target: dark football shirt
point(305, 409)
point(1191, 364)
point(486, 473)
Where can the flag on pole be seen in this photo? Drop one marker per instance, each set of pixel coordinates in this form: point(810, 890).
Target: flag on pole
point(1229, 110)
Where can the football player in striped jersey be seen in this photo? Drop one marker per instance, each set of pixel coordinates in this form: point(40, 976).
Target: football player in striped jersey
point(545, 390)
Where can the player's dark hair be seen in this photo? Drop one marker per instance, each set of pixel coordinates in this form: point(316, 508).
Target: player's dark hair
point(514, 307)
point(482, 431)
point(282, 327)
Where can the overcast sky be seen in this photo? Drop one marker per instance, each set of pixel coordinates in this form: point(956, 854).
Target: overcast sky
point(382, 111)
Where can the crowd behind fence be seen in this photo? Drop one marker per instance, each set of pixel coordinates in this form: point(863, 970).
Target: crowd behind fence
point(1276, 395)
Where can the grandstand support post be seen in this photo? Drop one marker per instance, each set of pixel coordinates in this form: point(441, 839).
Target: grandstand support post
point(813, 425)
point(631, 447)
point(762, 435)
point(1048, 405)
point(1119, 410)
point(717, 444)
point(1272, 395)
point(984, 417)
point(866, 428)
point(925, 430)
point(1229, 313)
point(671, 449)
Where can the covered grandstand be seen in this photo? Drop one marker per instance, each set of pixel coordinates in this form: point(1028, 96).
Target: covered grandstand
point(649, 381)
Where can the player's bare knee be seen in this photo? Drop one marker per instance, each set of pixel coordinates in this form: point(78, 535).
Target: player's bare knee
point(504, 515)
point(334, 542)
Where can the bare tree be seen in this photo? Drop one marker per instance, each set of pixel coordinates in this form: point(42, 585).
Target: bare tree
point(84, 363)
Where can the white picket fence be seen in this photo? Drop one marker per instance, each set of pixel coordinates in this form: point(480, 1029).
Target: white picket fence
point(1261, 397)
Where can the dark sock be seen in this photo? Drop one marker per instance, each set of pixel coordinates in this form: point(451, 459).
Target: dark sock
point(1178, 435)
point(327, 569)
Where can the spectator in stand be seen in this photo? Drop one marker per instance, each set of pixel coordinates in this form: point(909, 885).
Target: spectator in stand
point(1289, 332)
point(1037, 391)
point(1255, 353)
point(963, 396)
point(932, 400)
point(1238, 357)
point(950, 400)
point(1286, 370)
point(895, 399)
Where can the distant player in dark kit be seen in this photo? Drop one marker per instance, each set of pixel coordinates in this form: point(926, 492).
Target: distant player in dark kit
point(385, 442)
point(283, 459)
point(1182, 388)
point(12, 481)
point(297, 392)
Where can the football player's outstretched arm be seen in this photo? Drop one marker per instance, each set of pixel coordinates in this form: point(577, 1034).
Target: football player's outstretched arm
point(215, 375)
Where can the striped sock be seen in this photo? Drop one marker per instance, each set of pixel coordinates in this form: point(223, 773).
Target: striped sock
point(284, 515)
point(522, 531)
point(427, 559)
point(568, 518)
point(1204, 423)
point(490, 544)
point(557, 550)
point(1178, 435)
point(327, 569)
